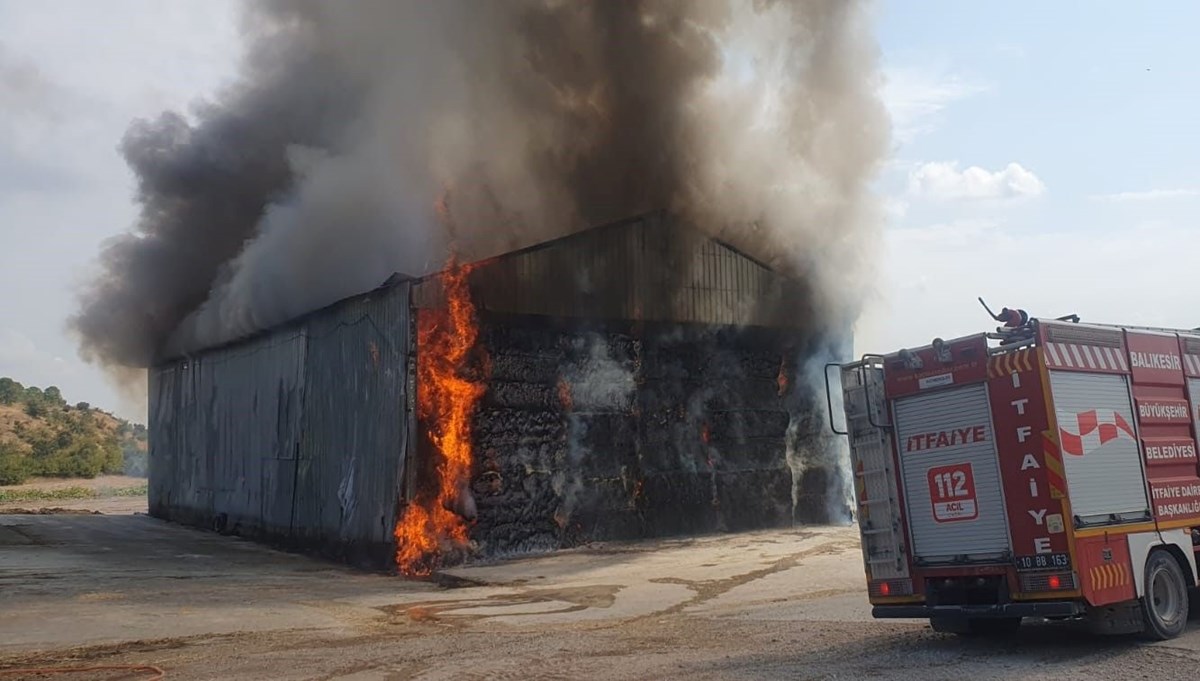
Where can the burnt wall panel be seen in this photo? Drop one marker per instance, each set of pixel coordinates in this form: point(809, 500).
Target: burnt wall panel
point(219, 424)
point(350, 470)
point(296, 436)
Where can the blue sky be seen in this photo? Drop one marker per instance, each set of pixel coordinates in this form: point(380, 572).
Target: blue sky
point(1046, 155)
point(1080, 120)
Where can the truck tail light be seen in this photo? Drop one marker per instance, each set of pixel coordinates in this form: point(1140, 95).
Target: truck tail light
point(890, 587)
point(1052, 581)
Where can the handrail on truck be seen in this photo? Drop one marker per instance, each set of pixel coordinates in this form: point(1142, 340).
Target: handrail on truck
point(866, 394)
point(829, 400)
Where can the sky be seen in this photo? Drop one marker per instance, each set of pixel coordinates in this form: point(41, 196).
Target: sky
point(1044, 156)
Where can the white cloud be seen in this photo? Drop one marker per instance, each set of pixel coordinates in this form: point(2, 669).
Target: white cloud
point(894, 209)
point(1149, 195)
point(915, 98)
point(932, 276)
point(943, 181)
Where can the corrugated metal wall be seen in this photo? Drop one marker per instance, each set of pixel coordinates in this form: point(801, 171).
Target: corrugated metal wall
point(298, 435)
point(355, 428)
point(647, 268)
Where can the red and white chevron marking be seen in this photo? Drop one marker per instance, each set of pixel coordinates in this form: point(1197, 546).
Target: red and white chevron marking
point(1093, 430)
point(1192, 364)
point(1070, 355)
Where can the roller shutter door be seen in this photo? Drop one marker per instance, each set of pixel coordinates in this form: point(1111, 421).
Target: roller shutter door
point(951, 476)
point(1100, 452)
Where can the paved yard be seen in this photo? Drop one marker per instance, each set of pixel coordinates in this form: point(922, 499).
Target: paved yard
point(128, 589)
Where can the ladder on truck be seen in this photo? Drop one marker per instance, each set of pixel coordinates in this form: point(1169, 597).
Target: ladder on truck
point(868, 428)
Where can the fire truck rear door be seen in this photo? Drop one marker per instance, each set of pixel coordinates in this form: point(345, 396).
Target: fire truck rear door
point(951, 476)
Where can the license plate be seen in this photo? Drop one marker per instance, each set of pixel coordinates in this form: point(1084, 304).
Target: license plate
point(1043, 561)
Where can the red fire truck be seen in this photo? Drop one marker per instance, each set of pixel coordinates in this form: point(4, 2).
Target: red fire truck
point(1047, 469)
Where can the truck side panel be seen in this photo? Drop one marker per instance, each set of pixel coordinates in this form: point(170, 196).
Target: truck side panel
point(1164, 421)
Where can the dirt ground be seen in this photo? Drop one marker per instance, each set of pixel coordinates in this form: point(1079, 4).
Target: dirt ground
point(101, 504)
point(97, 483)
point(128, 589)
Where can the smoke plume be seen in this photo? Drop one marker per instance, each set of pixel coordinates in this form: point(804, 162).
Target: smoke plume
point(316, 173)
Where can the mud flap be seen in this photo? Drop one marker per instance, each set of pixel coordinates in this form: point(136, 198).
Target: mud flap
point(1116, 619)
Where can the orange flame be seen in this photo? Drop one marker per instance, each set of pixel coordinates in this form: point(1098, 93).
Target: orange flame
point(446, 399)
point(564, 395)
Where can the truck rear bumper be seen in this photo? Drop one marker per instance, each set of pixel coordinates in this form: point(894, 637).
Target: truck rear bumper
point(1035, 609)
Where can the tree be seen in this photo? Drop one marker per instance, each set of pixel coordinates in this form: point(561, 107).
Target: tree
point(83, 406)
point(54, 396)
point(10, 391)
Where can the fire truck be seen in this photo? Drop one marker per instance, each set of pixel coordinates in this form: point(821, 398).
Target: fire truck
point(1044, 470)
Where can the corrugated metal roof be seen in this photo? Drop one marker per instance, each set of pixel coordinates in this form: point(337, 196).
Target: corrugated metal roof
point(647, 268)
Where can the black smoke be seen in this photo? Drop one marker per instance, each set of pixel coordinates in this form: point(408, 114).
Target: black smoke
point(318, 171)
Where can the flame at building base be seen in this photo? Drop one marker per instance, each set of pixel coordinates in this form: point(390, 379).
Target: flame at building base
point(435, 523)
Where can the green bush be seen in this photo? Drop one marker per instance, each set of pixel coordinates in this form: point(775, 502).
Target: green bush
point(13, 468)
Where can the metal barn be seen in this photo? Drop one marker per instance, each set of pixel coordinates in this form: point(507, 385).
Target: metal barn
point(643, 382)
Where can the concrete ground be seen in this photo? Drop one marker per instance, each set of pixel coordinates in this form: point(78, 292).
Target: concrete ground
point(128, 589)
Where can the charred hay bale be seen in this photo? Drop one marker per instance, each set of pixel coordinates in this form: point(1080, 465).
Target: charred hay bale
point(678, 503)
point(525, 368)
point(759, 454)
point(600, 445)
point(744, 424)
point(494, 426)
point(521, 395)
point(754, 499)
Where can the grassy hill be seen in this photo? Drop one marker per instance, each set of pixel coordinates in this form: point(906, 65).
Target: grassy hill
point(42, 435)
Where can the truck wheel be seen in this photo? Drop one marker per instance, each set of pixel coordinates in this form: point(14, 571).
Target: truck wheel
point(1165, 602)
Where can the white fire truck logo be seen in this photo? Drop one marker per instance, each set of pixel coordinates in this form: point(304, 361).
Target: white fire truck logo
point(1093, 430)
point(952, 493)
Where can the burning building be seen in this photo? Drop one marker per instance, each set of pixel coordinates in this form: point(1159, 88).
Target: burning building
point(649, 377)
point(633, 380)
